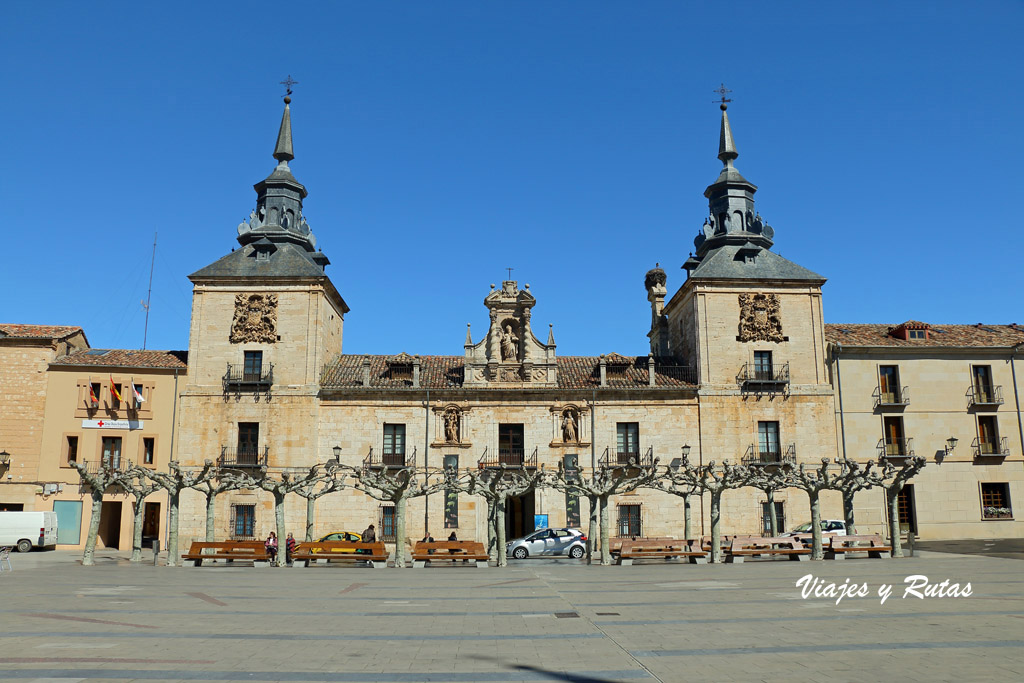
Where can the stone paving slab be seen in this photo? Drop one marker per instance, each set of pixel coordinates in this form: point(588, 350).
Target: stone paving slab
point(533, 621)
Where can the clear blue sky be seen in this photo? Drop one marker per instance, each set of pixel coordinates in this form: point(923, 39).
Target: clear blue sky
point(441, 142)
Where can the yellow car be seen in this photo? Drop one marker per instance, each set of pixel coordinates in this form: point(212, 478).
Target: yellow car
point(340, 536)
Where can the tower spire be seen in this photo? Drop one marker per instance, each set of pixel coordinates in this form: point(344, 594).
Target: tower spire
point(726, 145)
point(283, 149)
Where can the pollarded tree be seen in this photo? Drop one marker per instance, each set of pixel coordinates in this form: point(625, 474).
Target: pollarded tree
point(280, 486)
point(398, 486)
point(496, 485)
point(221, 480)
point(769, 480)
point(136, 481)
point(99, 477)
point(606, 481)
point(682, 488)
point(330, 481)
point(894, 478)
point(715, 480)
point(813, 482)
point(853, 478)
point(175, 480)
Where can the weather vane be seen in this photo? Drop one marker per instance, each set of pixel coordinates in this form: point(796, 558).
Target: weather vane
point(288, 83)
point(722, 92)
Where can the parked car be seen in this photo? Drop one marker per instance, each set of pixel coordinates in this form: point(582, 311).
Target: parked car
point(562, 541)
point(828, 526)
point(341, 536)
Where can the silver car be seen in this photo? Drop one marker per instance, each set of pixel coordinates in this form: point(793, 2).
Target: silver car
point(561, 541)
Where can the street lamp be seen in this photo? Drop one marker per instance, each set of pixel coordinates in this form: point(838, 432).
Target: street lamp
point(686, 451)
point(5, 458)
point(951, 444)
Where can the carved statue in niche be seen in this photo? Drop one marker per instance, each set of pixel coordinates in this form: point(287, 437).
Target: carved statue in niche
point(760, 318)
point(570, 425)
point(509, 342)
point(451, 425)
point(255, 319)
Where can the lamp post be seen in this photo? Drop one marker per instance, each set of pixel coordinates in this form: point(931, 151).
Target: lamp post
point(5, 458)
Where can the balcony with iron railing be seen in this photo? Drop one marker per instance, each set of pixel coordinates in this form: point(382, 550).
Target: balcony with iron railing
point(110, 465)
point(984, 396)
point(615, 458)
point(891, 397)
point(997, 448)
point(512, 458)
point(243, 456)
point(756, 456)
point(390, 459)
point(895, 448)
point(239, 376)
point(760, 376)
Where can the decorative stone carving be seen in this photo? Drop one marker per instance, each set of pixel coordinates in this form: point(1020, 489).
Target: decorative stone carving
point(509, 344)
point(570, 425)
point(452, 420)
point(255, 319)
point(539, 375)
point(760, 318)
point(509, 375)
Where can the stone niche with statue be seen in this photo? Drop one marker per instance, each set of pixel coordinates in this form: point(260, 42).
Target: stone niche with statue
point(510, 354)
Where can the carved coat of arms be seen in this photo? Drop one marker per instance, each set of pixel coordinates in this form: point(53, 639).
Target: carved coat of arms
point(760, 318)
point(255, 319)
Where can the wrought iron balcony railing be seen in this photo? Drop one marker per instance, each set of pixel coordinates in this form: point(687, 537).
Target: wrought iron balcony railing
point(108, 465)
point(895, 448)
point(766, 457)
point(984, 396)
point(243, 456)
point(999, 447)
point(761, 375)
point(390, 458)
point(613, 457)
point(515, 458)
point(891, 397)
point(237, 375)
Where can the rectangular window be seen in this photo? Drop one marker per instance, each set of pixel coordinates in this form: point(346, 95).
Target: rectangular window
point(387, 522)
point(248, 443)
point(243, 522)
point(889, 383)
point(253, 366)
point(511, 444)
point(995, 501)
point(780, 518)
point(94, 394)
point(895, 443)
point(763, 365)
point(148, 448)
point(627, 441)
point(768, 441)
point(136, 394)
point(71, 451)
point(629, 520)
point(451, 496)
point(988, 435)
point(112, 452)
point(394, 445)
point(916, 334)
point(981, 379)
point(115, 403)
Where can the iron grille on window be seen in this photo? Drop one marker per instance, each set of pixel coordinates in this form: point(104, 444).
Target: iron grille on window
point(243, 522)
point(629, 520)
point(387, 522)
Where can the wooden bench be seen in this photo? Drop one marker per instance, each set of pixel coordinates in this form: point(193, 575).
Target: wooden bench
point(312, 552)
point(771, 545)
point(615, 544)
point(449, 551)
point(873, 545)
point(228, 551)
point(656, 549)
point(725, 541)
point(808, 539)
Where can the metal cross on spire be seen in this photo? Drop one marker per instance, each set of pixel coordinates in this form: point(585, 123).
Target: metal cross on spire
point(509, 273)
point(288, 83)
point(722, 92)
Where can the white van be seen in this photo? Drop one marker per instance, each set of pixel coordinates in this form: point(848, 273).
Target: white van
point(27, 529)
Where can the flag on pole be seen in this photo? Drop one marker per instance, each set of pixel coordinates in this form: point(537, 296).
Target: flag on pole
point(137, 394)
point(92, 395)
point(113, 389)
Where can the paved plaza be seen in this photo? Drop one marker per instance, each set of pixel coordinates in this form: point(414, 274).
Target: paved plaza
point(533, 621)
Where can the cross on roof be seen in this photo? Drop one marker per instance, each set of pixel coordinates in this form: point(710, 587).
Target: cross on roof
point(509, 273)
point(722, 92)
point(288, 83)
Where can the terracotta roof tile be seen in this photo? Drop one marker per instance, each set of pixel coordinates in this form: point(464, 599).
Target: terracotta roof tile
point(979, 335)
point(126, 358)
point(38, 331)
point(446, 372)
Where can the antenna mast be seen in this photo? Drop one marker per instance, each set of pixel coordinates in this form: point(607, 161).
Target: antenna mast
point(149, 294)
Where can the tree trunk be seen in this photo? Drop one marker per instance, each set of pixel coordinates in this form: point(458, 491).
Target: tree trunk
point(716, 526)
point(893, 495)
point(687, 519)
point(851, 529)
point(94, 527)
point(173, 499)
point(594, 539)
point(606, 556)
point(492, 529)
point(400, 533)
point(137, 508)
point(211, 514)
point(816, 552)
point(310, 517)
point(773, 520)
point(282, 533)
point(499, 523)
